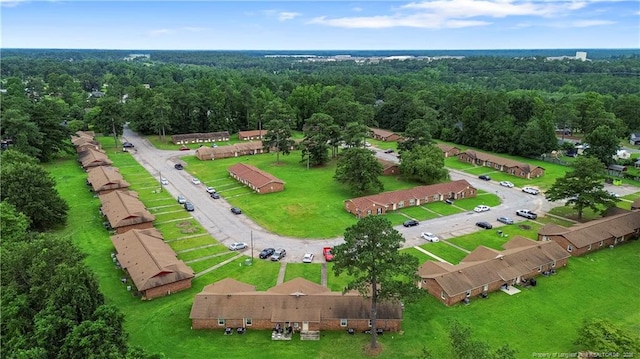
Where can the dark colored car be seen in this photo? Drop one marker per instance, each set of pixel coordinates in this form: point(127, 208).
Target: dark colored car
point(448, 201)
point(266, 253)
point(236, 210)
point(128, 145)
point(484, 177)
point(483, 224)
point(189, 206)
point(388, 151)
point(215, 195)
point(278, 254)
point(410, 223)
point(178, 166)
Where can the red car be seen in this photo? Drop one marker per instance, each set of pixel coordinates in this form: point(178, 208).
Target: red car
point(328, 256)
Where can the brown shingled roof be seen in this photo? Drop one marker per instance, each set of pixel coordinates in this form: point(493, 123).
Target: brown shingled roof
point(123, 208)
point(584, 234)
point(252, 133)
point(380, 132)
point(500, 160)
point(231, 149)
point(92, 158)
point(105, 178)
point(253, 175)
point(148, 259)
point(519, 260)
point(281, 304)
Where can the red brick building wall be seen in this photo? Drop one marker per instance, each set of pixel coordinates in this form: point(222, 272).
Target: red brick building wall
point(167, 289)
point(270, 188)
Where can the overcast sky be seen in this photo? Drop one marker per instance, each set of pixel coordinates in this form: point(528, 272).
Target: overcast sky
point(321, 25)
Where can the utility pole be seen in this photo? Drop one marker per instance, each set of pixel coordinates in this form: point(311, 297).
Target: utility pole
point(251, 245)
point(115, 135)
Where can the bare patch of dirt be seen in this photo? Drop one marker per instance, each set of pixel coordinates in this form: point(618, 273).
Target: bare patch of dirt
point(183, 224)
point(368, 351)
point(189, 230)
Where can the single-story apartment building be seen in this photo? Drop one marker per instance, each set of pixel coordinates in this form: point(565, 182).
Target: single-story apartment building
point(516, 168)
point(125, 211)
point(238, 149)
point(252, 135)
point(384, 135)
point(303, 305)
point(185, 138)
point(104, 179)
point(389, 168)
point(487, 270)
point(93, 158)
point(258, 180)
point(152, 265)
point(593, 235)
point(634, 139)
point(448, 150)
point(616, 170)
point(381, 203)
point(85, 140)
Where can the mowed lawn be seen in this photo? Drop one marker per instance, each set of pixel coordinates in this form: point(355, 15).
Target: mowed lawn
point(539, 319)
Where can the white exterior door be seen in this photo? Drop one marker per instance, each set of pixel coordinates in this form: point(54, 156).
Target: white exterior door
point(305, 326)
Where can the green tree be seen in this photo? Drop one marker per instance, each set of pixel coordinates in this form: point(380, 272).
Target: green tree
point(603, 144)
point(424, 164)
point(14, 224)
point(463, 346)
point(25, 134)
point(417, 134)
point(31, 189)
point(538, 137)
point(355, 134)
point(316, 136)
point(358, 168)
point(375, 267)
point(278, 137)
point(583, 187)
point(603, 336)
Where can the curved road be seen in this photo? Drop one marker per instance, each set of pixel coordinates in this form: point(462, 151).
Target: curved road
point(215, 215)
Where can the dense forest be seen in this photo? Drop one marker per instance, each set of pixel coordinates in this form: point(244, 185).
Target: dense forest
point(498, 103)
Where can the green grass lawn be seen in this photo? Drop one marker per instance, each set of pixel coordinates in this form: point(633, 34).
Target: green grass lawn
point(490, 238)
point(308, 271)
point(597, 285)
point(444, 251)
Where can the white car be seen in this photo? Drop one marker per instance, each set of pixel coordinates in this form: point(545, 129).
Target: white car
point(211, 190)
point(531, 190)
point(164, 181)
point(430, 237)
point(506, 184)
point(308, 258)
point(237, 246)
point(481, 208)
point(195, 181)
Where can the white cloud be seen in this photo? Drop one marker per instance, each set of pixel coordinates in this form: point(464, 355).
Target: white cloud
point(458, 13)
point(11, 3)
point(589, 23)
point(286, 15)
point(160, 32)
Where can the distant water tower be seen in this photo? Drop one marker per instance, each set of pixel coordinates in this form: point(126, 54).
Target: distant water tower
point(581, 55)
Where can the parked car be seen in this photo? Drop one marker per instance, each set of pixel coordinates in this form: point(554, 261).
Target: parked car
point(266, 253)
point(611, 193)
point(184, 148)
point(308, 258)
point(484, 177)
point(236, 210)
point(483, 224)
point(481, 208)
point(237, 246)
point(278, 254)
point(410, 223)
point(531, 190)
point(430, 237)
point(211, 190)
point(526, 214)
point(164, 181)
point(182, 199)
point(388, 151)
point(178, 166)
point(215, 195)
point(189, 207)
point(128, 145)
point(195, 181)
point(328, 255)
point(505, 220)
point(506, 184)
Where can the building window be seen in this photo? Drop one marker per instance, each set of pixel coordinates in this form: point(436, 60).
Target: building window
point(442, 295)
point(436, 197)
point(221, 322)
point(601, 243)
point(248, 322)
point(545, 238)
point(412, 202)
point(570, 248)
point(485, 288)
point(343, 322)
point(468, 293)
point(368, 212)
point(379, 210)
point(589, 248)
point(400, 204)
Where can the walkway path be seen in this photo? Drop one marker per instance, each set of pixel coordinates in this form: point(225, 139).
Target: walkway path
point(283, 270)
point(323, 274)
point(218, 265)
point(431, 254)
point(457, 247)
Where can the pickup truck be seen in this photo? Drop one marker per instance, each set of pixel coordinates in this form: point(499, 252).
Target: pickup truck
point(326, 252)
point(526, 214)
